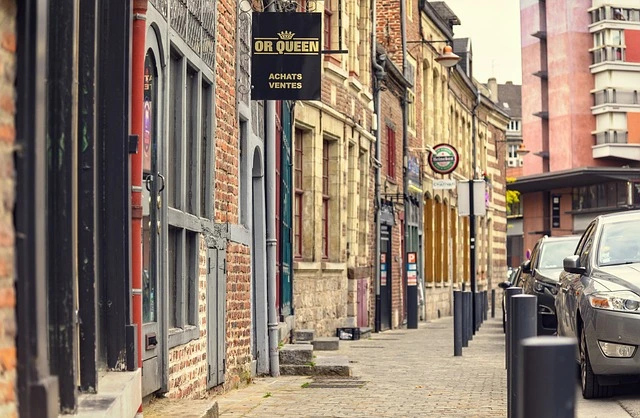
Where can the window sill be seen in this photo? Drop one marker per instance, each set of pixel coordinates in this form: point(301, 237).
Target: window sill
point(302, 266)
point(181, 336)
point(120, 395)
point(336, 70)
point(329, 266)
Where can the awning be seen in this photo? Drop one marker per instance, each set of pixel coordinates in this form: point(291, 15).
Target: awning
point(575, 177)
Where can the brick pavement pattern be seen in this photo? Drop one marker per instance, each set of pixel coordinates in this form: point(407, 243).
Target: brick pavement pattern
point(398, 373)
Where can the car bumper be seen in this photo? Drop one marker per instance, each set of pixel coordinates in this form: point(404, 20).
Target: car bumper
point(547, 320)
point(614, 327)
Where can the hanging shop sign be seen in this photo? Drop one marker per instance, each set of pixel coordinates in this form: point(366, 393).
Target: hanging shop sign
point(413, 174)
point(286, 56)
point(444, 159)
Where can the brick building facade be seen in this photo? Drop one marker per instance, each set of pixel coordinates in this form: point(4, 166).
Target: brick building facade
point(8, 395)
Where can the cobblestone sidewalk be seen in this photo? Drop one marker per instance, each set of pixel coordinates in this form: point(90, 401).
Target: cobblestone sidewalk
point(399, 373)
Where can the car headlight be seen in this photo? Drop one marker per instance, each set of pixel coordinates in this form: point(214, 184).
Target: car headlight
point(622, 301)
point(540, 286)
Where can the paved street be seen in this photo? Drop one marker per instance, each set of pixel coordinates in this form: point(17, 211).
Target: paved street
point(407, 373)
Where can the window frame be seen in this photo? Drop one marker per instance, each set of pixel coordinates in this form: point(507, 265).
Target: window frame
point(391, 152)
point(187, 214)
point(327, 22)
point(325, 198)
point(298, 184)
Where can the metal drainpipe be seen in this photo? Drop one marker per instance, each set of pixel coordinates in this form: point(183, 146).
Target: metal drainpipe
point(405, 159)
point(378, 75)
point(270, 174)
point(472, 217)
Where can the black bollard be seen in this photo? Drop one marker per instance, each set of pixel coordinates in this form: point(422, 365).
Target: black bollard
point(478, 310)
point(523, 324)
point(457, 323)
point(493, 303)
point(470, 315)
point(547, 382)
point(508, 293)
point(485, 306)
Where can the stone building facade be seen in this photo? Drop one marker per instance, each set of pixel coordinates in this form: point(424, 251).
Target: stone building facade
point(333, 145)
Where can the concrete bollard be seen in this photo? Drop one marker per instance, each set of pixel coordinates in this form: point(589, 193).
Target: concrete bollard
point(522, 324)
point(508, 293)
point(457, 323)
point(547, 381)
point(493, 303)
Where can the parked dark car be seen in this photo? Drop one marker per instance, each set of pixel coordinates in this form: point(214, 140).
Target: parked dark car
point(599, 302)
point(514, 280)
point(540, 277)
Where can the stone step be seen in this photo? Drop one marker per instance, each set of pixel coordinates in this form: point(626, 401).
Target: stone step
point(188, 408)
point(326, 344)
point(304, 335)
point(322, 366)
point(365, 333)
point(296, 354)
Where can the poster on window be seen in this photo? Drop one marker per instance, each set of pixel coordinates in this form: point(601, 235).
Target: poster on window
point(286, 56)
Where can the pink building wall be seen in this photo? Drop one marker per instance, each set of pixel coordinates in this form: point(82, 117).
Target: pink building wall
point(531, 85)
point(570, 80)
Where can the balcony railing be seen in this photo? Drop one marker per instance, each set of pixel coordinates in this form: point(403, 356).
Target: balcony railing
point(614, 13)
point(608, 53)
point(611, 136)
point(613, 96)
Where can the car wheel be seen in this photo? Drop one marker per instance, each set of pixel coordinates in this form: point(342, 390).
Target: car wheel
point(590, 387)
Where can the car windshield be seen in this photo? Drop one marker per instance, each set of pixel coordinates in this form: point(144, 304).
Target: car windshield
point(619, 243)
point(553, 252)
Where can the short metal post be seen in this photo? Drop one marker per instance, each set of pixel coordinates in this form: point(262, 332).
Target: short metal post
point(457, 323)
point(493, 303)
point(548, 373)
point(476, 311)
point(508, 293)
point(468, 314)
point(485, 303)
point(522, 324)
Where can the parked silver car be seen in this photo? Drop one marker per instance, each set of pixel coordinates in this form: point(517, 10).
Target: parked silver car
point(599, 302)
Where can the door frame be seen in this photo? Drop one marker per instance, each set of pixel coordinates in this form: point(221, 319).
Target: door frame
point(160, 352)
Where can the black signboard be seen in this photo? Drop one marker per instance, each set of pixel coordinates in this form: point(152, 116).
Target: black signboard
point(555, 211)
point(286, 56)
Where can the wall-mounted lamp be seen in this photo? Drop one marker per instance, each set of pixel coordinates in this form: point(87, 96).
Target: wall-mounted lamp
point(446, 58)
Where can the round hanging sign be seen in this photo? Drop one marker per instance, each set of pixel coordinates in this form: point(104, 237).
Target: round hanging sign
point(444, 159)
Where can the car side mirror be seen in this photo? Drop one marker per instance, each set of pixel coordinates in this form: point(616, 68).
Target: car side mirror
point(504, 285)
point(526, 267)
point(571, 264)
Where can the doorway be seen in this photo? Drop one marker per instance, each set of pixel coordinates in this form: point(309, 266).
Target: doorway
point(152, 203)
point(386, 279)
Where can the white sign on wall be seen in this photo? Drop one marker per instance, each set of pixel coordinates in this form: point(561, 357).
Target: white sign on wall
point(444, 184)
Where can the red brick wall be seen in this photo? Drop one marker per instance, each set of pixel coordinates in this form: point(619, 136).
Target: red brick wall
point(388, 29)
point(226, 175)
point(238, 316)
point(391, 115)
point(8, 406)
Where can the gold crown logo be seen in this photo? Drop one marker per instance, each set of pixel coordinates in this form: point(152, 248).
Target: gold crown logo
point(286, 35)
